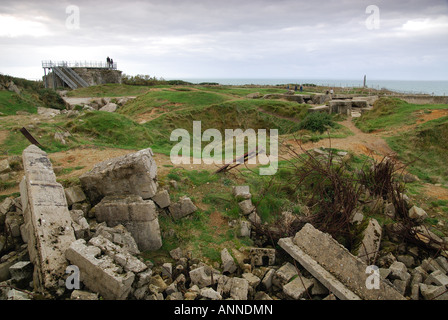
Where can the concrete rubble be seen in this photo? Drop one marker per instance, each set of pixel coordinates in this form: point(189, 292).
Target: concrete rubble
point(103, 231)
point(135, 174)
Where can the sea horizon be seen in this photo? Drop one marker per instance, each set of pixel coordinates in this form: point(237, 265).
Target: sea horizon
point(431, 87)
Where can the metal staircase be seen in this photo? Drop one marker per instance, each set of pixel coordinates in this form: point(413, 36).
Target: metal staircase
point(70, 77)
point(80, 81)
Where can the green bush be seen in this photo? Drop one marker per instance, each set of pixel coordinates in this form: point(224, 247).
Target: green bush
point(317, 122)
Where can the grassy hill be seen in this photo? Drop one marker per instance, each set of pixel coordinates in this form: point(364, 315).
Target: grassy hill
point(31, 95)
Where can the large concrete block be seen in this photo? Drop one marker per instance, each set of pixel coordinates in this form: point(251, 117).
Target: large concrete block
point(100, 273)
point(130, 174)
point(341, 106)
point(47, 219)
point(138, 216)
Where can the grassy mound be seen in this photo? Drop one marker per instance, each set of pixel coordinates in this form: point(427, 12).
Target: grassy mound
point(390, 113)
point(109, 129)
point(169, 100)
point(31, 96)
point(426, 149)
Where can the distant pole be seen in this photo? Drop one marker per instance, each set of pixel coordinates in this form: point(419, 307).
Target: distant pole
point(365, 81)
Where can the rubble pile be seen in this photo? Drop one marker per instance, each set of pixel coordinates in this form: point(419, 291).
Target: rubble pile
point(86, 243)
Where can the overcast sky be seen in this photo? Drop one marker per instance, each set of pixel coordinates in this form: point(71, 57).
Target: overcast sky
point(175, 39)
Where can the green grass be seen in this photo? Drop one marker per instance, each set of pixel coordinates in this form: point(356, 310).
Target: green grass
point(170, 100)
point(109, 90)
point(11, 102)
point(240, 91)
point(425, 148)
point(109, 129)
point(389, 113)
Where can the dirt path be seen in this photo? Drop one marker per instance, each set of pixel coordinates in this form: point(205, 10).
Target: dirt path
point(369, 144)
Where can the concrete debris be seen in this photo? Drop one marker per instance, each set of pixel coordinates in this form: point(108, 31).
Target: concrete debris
point(370, 245)
point(134, 173)
point(138, 216)
point(74, 195)
point(47, 219)
point(345, 275)
point(182, 208)
point(99, 273)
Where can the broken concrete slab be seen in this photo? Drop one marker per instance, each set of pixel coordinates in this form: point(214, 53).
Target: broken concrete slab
point(370, 245)
point(119, 236)
point(334, 266)
point(100, 273)
point(134, 173)
point(121, 256)
point(138, 216)
point(297, 288)
point(47, 219)
point(283, 275)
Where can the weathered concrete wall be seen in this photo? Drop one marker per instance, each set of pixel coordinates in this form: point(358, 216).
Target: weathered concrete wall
point(47, 219)
point(92, 76)
point(99, 76)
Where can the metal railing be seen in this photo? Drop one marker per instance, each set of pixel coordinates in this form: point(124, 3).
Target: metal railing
point(79, 64)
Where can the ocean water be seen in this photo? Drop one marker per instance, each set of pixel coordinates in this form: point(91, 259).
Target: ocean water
point(438, 88)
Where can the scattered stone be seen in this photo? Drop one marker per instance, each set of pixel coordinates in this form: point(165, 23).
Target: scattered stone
point(228, 264)
point(267, 280)
point(74, 195)
point(202, 277)
point(22, 273)
point(182, 208)
point(417, 213)
point(260, 295)
point(242, 192)
point(283, 275)
point(437, 278)
point(399, 271)
point(430, 292)
point(252, 279)
point(246, 207)
point(210, 293)
point(48, 112)
point(83, 295)
point(297, 287)
point(239, 289)
point(162, 199)
point(110, 107)
point(4, 166)
point(245, 229)
point(176, 254)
